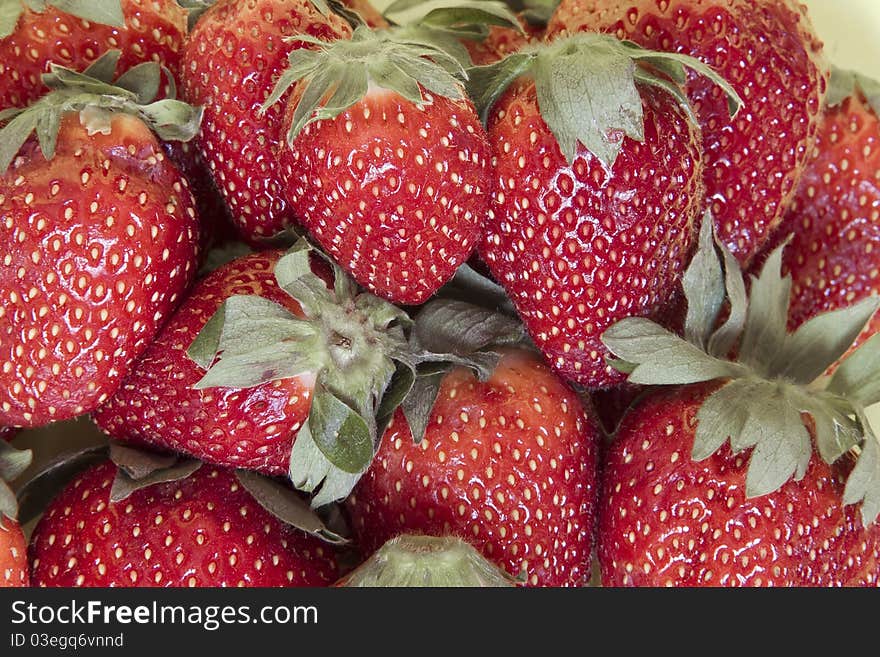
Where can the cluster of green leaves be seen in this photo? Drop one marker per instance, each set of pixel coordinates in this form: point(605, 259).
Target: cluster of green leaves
point(587, 88)
point(96, 96)
point(774, 379)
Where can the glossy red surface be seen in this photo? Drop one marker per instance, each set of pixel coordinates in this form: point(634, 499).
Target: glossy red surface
point(768, 51)
point(509, 465)
point(395, 194)
point(667, 520)
point(205, 530)
point(577, 247)
point(231, 62)
point(106, 242)
point(155, 31)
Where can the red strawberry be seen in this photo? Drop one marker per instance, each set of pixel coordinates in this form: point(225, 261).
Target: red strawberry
point(105, 237)
point(204, 530)
point(595, 201)
point(158, 405)
point(299, 344)
point(393, 180)
point(768, 51)
point(834, 219)
point(681, 507)
point(231, 61)
point(13, 555)
point(509, 465)
point(143, 30)
point(666, 519)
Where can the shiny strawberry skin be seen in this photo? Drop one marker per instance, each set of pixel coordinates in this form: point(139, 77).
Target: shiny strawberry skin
point(578, 249)
point(231, 62)
point(14, 571)
point(155, 31)
point(834, 219)
point(106, 242)
point(404, 232)
point(242, 428)
point(768, 51)
point(509, 465)
point(205, 530)
point(665, 520)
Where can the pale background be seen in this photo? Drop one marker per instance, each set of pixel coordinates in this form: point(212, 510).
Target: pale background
point(851, 32)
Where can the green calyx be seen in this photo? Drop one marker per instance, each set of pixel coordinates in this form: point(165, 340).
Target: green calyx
point(96, 97)
point(338, 74)
point(367, 359)
point(13, 462)
point(776, 378)
point(106, 12)
point(587, 87)
point(349, 341)
point(427, 561)
point(844, 84)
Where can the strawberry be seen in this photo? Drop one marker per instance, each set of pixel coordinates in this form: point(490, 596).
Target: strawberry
point(594, 204)
point(236, 428)
point(13, 556)
point(667, 519)
point(682, 507)
point(75, 34)
point(232, 58)
point(299, 344)
point(769, 52)
point(834, 220)
point(403, 232)
point(105, 237)
point(203, 530)
point(508, 464)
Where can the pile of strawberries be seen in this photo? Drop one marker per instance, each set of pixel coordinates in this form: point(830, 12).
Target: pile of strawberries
point(437, 292)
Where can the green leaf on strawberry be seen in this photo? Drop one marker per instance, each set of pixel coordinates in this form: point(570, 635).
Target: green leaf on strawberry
point(96, 98)
point(775, 379)
point(586, 86)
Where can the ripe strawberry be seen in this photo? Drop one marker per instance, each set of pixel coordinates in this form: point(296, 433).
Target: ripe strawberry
point(231, 61)
point(666, 519)
point(508, 464)
point(768, 51)
point(502, 41)
point(13, 555)
point(681, 507)
point(78, 33)
point(403, 232)
point(834, 219)
point(204, 530)
point(594, 201)
point(296, 347)
point(157, 404)
point(105, 238)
